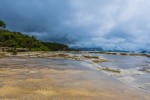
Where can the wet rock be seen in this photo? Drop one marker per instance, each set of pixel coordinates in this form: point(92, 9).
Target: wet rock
point(146, 69)
point(99, 60)
point(2, 55)
point(91, 57)
point(111, 70)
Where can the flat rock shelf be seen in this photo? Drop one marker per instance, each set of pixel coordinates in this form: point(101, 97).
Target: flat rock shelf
point(25, 78)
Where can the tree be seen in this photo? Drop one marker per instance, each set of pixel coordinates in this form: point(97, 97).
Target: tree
point(2, 24)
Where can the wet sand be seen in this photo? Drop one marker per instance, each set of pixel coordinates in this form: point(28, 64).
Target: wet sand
point(23, 78)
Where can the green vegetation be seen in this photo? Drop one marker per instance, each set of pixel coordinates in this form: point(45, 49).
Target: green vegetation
point(19, 40)
point(14, 51)
point(56, 46)
point(2, 24)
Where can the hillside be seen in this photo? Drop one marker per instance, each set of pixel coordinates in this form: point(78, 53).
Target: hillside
point(19, 40)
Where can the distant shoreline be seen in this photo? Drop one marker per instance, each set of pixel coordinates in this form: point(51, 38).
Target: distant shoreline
point(123, 53)
point(96, 52)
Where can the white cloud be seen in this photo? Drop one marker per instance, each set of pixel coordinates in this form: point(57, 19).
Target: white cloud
point(130, 18)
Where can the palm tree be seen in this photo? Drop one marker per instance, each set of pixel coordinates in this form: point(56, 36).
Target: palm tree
point(2, 24)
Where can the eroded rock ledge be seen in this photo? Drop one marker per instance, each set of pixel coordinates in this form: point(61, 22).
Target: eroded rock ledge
point(57, 55)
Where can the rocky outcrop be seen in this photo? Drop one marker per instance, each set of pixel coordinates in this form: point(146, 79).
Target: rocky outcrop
point(2, 55)
point(59, 55)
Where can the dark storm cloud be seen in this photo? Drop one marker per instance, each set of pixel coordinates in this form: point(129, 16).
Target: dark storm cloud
point(36, 16)
point(88, 23)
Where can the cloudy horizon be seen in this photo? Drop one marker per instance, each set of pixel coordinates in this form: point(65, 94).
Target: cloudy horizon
point(121, 24)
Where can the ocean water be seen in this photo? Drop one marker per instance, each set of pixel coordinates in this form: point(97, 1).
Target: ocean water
point(125, 62)
point(132, 65)
point(136, 63)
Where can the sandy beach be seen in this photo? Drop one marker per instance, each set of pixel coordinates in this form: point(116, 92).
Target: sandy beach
point(74, 50)
point(35, 78)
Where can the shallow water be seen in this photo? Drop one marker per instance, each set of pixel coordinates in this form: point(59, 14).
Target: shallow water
point(127, 63)
point(132, 65)
point(124, 62)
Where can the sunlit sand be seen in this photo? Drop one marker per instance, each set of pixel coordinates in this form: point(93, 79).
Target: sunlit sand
point(29, 79)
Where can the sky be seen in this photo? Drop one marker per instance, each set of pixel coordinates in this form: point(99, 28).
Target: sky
point(107, 24)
